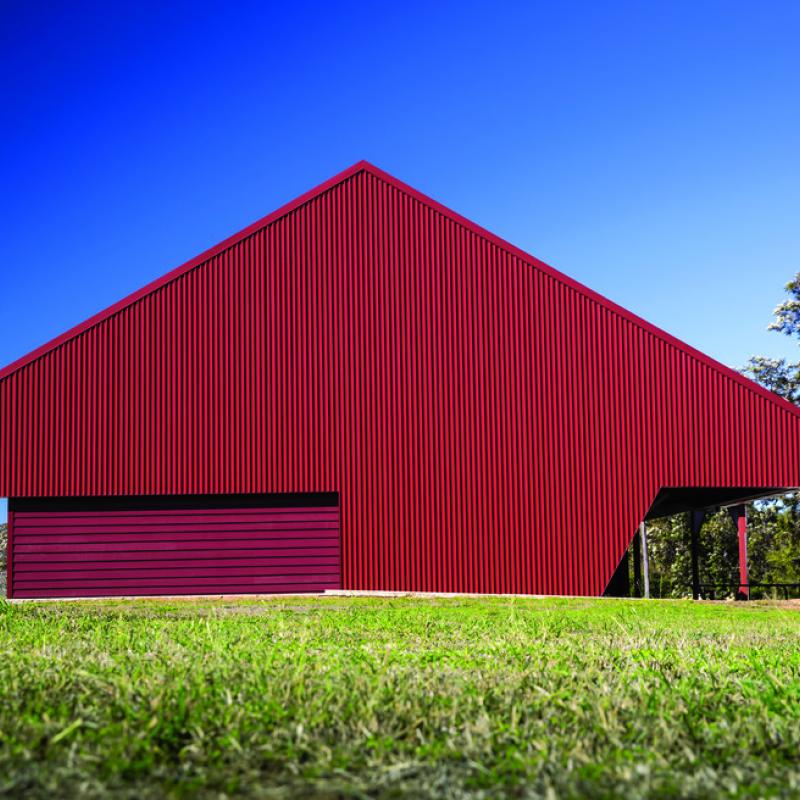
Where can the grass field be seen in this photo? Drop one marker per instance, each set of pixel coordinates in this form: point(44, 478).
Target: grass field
point(356, 697)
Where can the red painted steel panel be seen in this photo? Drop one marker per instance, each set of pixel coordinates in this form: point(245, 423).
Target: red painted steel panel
point(61, 553)
point(490, 424)
point(168, 589)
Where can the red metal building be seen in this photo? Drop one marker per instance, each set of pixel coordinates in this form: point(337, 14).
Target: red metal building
point(365, 390)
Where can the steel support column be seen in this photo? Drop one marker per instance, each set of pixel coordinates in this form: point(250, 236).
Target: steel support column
point(645, 558)
point(739, 517)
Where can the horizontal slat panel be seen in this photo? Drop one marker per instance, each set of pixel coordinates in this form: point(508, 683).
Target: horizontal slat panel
point(218, 534)
point(150, 561)
point(167, 589)
point(26, 523)
point(233, 530)
point(187, 551)
point(21, 558)
point(184, 547)
point(103, 579)
point(228, 511)
point(71, 576)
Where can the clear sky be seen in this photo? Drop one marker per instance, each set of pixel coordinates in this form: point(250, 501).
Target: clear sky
point(652, 151)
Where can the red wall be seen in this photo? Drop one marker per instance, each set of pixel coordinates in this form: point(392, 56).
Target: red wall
point(489, 424)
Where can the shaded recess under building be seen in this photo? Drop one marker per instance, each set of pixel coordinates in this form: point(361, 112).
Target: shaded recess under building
point(698, 503)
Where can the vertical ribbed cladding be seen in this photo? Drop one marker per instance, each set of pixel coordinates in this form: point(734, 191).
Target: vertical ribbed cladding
point(490, 426)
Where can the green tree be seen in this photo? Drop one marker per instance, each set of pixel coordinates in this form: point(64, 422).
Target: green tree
point(669, 556)
point(669, 550)
point(775, 528)
point(780, 375)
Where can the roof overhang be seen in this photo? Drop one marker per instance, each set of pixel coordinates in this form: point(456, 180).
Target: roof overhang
point(674, 500)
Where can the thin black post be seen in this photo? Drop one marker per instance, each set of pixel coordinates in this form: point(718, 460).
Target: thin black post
point(696, 518)
point(637, 564)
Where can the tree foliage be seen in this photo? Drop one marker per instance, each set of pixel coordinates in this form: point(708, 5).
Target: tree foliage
point(773, 525)
point(780, 375)
point(787, 313)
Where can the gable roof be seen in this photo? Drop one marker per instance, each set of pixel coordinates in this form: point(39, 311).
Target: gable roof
point(365, 166)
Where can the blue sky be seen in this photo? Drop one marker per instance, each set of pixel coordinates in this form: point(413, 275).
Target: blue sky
point(649, 150)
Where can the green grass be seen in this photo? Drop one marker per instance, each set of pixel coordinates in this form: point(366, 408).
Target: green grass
point(347, 697)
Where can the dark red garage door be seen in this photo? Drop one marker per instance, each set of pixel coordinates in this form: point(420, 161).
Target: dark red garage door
point(146, 546)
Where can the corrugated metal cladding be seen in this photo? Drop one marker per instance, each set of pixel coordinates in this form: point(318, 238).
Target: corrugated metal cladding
point(490, 425)
point(95, 548)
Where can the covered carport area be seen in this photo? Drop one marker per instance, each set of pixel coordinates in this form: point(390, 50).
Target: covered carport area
point(698, 503)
